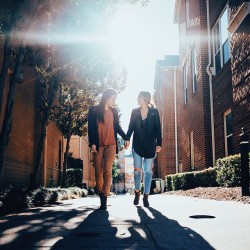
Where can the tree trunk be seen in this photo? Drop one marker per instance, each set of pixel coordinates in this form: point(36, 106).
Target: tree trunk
point(40, 147)
point(4, 136)
point(6, 54)
point(4, 70)
point(66, 154)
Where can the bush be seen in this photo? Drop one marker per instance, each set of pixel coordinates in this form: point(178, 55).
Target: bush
point(73, 177)
point(18, 199)
point(229, 171)
point(15, 199)
point(226, 173)
point(40, 196)
point(183, 181)
point(169, 184)
point(206, 177)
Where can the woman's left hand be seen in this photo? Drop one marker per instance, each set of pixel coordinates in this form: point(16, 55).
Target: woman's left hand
point(158, 149)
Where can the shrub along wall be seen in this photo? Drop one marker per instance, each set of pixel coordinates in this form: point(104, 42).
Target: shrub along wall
point(73, 177)
point(226, 173)
point(18, 199)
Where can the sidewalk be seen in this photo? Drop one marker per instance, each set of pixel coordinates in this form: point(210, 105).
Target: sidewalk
point(172, 222)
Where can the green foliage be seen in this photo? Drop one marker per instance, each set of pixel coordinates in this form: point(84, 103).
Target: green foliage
point(169, 184)
point(226, 173)
point(183, 181)
point(40, 196)
point(206, 177)
point(229, 171)
point(73, 177)
point(116, 175)
point(71, 113)
point(14, 199)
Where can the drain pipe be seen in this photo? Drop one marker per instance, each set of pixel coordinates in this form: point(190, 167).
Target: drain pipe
point(175, 125)
point(208, 69)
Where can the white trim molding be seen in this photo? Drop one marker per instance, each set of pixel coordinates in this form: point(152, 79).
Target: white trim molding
point(239, 17)
point(177, 11)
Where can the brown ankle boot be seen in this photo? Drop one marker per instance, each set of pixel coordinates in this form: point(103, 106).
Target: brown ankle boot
point(145, 200)
point(137, 198)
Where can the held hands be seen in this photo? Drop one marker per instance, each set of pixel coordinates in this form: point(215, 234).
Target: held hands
point(126, 145)
point(158, 149)
point(93, 148)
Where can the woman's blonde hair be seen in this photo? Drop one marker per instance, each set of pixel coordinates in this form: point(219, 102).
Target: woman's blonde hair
point(147, 97)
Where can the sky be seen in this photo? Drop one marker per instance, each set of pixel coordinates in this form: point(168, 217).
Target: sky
point(139, 36)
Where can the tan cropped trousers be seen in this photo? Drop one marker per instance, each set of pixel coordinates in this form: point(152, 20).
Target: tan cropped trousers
point(103, 161)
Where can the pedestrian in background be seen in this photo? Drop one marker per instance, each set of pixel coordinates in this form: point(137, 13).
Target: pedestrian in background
point(146, 129)
point(103, 127)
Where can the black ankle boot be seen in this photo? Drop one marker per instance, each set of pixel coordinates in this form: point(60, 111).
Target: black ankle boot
point(145, 200)
point(137, 198)
point(103, 202)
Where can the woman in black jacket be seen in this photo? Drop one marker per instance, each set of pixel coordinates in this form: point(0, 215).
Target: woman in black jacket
point(145, 124)
point(103, 127)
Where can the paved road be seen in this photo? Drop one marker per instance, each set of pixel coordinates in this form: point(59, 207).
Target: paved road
point(172, 222)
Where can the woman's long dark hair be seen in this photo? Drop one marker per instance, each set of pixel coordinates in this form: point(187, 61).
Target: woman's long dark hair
point(101, 107)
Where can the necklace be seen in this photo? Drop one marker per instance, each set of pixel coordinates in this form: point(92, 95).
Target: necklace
point(144, 113)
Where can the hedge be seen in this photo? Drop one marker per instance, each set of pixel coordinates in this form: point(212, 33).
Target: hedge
point(206, 178)
point(73, 177)
point(226, 173)
point(229, 171)
point(15, 199)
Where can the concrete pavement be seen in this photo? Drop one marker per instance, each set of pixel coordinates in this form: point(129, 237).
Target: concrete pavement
point(172, 222)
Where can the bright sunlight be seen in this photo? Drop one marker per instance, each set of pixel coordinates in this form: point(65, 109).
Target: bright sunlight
point(139, 36)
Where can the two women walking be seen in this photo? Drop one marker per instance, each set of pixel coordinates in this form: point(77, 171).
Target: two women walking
point(103, 127)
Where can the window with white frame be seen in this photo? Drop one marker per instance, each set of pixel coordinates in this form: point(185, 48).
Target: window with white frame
point(228, 133)
point(185, 84)
point(191, 149)
point(221, 41)
point(194, 72)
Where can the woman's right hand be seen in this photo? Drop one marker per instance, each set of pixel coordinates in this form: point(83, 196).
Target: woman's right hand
point(93, 148)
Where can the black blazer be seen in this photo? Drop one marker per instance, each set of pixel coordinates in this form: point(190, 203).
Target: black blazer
point(147, 134)
point(93, 127)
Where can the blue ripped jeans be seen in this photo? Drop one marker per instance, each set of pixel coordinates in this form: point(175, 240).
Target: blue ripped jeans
point(146, 166)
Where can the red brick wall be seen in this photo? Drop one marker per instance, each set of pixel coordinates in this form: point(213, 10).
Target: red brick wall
point(231, 84)
point(223, 101)
point(196, 113)
point(51, 155)
point(19, 154)
point(80, 149)
point(240, 51)
point(240, 47)
point(19, 158)
point(165, 105)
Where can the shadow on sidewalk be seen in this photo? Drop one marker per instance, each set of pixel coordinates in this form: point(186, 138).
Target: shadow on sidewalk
point(169, 234)
point(90, 228)
point(38, 227)
point(99, 232)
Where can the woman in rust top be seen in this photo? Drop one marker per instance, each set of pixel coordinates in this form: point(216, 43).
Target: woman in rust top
point(103, 127)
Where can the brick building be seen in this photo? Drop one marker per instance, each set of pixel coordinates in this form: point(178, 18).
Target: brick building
point(167, 74)
point(79, 149)
point(25, 130)
point(213, 100)
point(19, 157)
